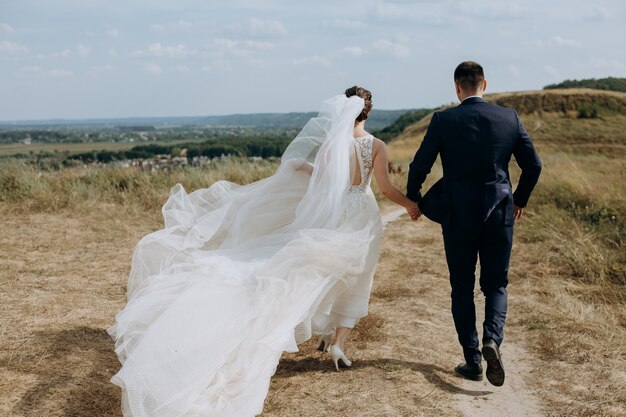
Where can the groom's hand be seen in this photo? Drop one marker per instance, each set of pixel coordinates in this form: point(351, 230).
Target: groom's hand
point(518, 212)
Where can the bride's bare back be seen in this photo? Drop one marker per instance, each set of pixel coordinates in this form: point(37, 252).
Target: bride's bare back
point(371, 155)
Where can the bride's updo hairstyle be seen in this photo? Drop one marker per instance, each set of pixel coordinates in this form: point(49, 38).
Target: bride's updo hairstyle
point(365, 95)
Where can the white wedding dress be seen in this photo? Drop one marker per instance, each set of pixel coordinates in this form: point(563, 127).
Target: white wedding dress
point(240, 274)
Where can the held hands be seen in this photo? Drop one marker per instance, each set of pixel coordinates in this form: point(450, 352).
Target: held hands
point(413, 211)
point(518, 212)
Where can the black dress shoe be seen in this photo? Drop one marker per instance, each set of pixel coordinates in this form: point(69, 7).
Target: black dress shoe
point(495, 369)
point(473, 372)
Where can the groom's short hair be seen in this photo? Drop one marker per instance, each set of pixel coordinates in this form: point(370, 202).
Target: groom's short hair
point(469, 75)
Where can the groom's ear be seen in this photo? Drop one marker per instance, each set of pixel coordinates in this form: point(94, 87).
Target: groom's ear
point(484, 85)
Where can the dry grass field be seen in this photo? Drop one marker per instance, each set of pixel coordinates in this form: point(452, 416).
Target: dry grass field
point(66, 246)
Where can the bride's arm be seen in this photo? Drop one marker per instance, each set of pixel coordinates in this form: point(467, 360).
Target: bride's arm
point(381, 172)
point(302, 165)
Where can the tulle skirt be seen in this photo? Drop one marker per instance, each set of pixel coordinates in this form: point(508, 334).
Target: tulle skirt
point(229, 284)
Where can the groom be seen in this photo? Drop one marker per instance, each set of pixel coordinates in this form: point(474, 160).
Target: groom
point(476, 207)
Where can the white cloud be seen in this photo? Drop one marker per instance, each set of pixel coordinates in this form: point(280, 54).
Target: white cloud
point(217, 65)
point(559, 41)
point(260, 27)
point(112, 53)
point(66, 53)
point(100, 68)
point(402, 38)
point(159, 51)
point(11, 48)
point(183, 69)
point(152, 68)
point(553, 72)
point(390, 11)
point(113, 33)
point(394, 49)
point(48, 72)
point(409, 12)
point(244, 44)
point(608, 65)
point(597, 14)
point(241, 48)
point(536, 43)
point(83, 50)
point(514, 70)
point(555, 41)
point(6, 29)
point(315, 60)
point(180, 25)
point(346, 25)
point(491, 10)
point(354, 51)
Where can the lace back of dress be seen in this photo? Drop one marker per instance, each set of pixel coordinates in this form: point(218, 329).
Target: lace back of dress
point(363, 147)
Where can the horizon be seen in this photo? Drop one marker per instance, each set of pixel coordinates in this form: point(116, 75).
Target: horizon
point(24, 121)
point(110, 60)
point(120, 118)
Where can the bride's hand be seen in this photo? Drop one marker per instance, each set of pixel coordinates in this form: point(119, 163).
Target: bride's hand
point(414, 211)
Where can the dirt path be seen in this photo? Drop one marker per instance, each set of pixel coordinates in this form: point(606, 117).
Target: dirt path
point(514, 399)
point(392, 215)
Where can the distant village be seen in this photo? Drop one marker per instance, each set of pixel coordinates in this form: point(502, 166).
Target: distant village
point(166, 161)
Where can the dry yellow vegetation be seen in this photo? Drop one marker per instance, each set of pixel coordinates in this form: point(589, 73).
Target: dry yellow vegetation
point(68, 235)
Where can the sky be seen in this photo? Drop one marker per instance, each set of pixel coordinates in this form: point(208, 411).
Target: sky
point(128, 58)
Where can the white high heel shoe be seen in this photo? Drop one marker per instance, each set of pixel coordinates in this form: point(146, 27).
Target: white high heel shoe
point(323, 343)
point(337, 354)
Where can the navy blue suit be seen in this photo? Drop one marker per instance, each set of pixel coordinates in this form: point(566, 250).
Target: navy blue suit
point(474, 203)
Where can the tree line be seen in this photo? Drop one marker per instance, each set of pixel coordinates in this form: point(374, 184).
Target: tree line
point(241, 146)
point(609, 83)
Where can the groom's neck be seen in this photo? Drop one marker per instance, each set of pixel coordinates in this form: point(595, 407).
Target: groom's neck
point(463, 96)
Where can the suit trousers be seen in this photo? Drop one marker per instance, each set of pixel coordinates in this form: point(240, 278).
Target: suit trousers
point(490, 242)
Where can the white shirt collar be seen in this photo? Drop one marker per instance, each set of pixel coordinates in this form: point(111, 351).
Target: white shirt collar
point(471, 97)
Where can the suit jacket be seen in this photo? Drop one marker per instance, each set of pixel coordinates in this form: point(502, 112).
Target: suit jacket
point(475, 141)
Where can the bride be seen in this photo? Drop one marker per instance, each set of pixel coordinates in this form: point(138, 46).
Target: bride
point(240, 274)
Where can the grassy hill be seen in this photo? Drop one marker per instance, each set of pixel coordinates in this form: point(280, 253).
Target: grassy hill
point(569, 117)
point(400, 124)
